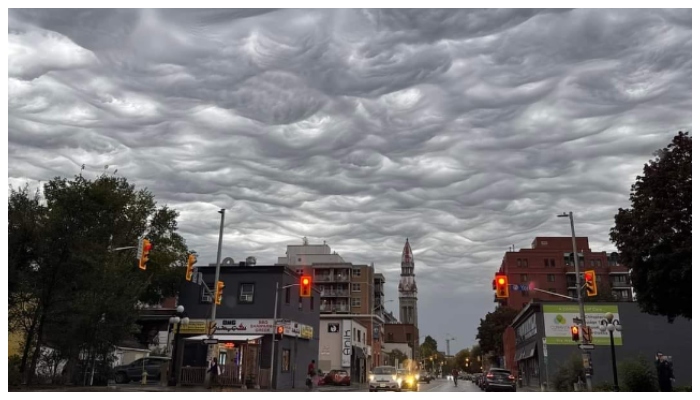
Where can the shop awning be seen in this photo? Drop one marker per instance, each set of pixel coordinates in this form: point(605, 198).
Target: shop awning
point(526, 351)
point(227, 338)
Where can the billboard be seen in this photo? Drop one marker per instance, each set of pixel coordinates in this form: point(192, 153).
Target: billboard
point(558, 320)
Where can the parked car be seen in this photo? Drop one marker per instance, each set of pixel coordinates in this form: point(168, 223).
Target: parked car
point(336, 377)
point(499, 379)
point(133, 371)
point(409, 379)
point(384, 378)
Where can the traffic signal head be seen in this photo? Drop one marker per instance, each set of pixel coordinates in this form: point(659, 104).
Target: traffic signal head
point(502, 286)
point(575, 333)
point(590, 282)
point(219, 292)
point(191, 260)
point(305, 286)
point(144, 250)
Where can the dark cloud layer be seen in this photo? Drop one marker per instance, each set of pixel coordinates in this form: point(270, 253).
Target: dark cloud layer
point(464, 130)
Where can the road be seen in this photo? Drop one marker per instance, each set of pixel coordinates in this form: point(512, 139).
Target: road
point(444, 385)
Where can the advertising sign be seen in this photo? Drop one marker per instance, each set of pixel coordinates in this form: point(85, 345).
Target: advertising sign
point(346, 345)
point(233, 326)
point(195, 327)
point(558, 320)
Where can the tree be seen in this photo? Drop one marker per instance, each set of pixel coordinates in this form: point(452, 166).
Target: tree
point(654, 235)
point(395, 355)
point(81, 296)
point(462, 359)
point(491, 328)
point(429, 351)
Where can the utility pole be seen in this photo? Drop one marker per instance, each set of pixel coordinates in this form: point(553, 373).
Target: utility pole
point(213, 348)
point(586, 355)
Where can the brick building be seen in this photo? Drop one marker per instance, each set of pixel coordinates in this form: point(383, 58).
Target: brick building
point(403, 333)
point(549, 265)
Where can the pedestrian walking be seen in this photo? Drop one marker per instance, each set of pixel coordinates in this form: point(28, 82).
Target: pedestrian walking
point(664, 370)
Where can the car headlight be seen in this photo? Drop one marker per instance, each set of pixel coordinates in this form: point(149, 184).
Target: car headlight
point(417, 376)
point(394, 377)
point(371, 377)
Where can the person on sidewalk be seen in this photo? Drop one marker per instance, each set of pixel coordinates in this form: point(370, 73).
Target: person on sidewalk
point(311, 374)
point(215, 371)
point(664, 369)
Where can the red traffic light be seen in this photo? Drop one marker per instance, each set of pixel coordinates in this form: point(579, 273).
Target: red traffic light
point(305, 281)
point(280, 330)
point(574, 330)
point(501, 281)
point(589, 276)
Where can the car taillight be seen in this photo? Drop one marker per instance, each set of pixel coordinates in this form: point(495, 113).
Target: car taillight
point(489, 376)
point(511, 377)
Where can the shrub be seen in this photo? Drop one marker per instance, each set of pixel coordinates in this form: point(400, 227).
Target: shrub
point(569, 373)
point(603, 387)
point(637, 375)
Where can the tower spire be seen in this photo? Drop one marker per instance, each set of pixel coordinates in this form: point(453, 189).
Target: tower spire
point(408, 291)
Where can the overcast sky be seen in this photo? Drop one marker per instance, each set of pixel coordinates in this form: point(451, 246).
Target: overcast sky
point(465, 131)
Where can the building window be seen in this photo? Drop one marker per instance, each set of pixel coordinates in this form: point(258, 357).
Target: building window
point(300, 272)
point(546, 262)
point(390, 337)
point(356, 302)
point(551, 262)
point(524, 262)
point(543, 242)
point(356, 272)
point(519, 263)
point(364, 337)
point(592, 263)
point(409, 337)
point(550, 277)
point(246, 293)
point(356, 287)
point(625, 294)
point(287, 296)
point(523, 277)
point(286, 360)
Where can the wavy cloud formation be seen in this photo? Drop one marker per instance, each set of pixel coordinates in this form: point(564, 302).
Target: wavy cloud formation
point(464, 130)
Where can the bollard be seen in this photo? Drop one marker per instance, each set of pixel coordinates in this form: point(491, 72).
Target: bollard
point(144, 378)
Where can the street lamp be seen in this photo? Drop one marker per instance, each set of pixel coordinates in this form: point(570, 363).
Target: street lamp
point(612, 327)
point(179, 318)
point(582, 314)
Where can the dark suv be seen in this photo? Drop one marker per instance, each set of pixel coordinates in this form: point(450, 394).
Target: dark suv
point(499, 379)
point(133, 371)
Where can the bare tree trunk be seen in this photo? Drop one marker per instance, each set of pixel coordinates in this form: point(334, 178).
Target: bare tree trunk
point(37, 350)
point(28, 344)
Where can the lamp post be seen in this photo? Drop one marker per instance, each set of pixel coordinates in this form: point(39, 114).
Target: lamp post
point(611, 327)
point(179, 318)
point(582, 314)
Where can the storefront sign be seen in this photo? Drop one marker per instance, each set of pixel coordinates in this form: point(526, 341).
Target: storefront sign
point(307, 332)
point(195, 327)
point(346, 359)
point(248, 325)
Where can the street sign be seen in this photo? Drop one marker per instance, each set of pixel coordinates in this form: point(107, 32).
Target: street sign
point(514, 288)
point(587, 334)
point(586, 346)
point(210, 341)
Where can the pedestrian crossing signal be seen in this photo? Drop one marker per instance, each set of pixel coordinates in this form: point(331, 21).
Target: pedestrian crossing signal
point(575, 333)
point(279, 332)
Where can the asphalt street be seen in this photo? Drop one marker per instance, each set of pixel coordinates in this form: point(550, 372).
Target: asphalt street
point(444, 385)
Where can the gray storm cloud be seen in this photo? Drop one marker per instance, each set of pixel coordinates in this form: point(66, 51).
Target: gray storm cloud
point(465, 130)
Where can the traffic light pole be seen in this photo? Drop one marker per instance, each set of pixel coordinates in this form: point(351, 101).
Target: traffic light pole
point(212, 348)
point(274, 327)
point(589, 382)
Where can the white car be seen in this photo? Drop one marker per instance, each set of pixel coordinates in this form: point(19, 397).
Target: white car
point(384, 378)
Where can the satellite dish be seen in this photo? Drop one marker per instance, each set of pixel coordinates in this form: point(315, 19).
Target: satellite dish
point(228, 261)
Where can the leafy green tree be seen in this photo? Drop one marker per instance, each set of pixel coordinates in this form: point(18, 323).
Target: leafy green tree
point(395, 355)
point(655, 235)
point(83, 295)
point(491, 328)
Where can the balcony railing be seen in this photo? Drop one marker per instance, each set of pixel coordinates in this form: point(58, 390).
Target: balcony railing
point(335, 293)
point(324, 278)
point(621, 284)
point(334, 308)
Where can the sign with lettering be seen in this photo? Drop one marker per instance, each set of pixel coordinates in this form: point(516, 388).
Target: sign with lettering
point(307, 332)
point(241, 326)
point(195, 327)
point(527, 329)
point(346, 359)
